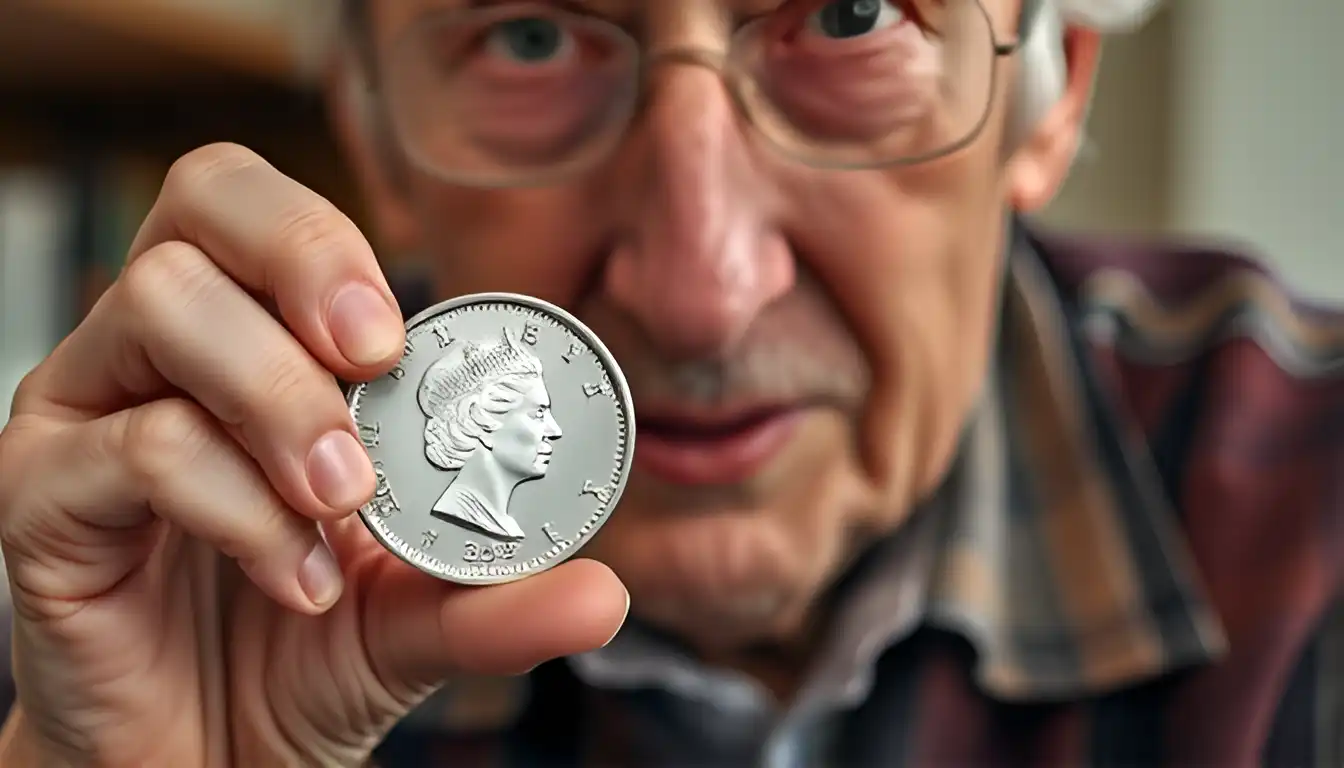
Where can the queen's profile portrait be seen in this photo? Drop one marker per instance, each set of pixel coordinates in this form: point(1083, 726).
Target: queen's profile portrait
point(488, 417)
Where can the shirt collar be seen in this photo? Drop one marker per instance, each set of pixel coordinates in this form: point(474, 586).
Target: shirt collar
point(1051, 546)
point(1063, 560)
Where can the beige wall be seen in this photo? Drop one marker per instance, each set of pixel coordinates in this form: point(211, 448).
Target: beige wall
point(1224, 119)
point(1120, 183)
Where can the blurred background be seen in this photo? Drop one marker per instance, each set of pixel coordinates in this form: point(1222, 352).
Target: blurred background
point(1220, 119)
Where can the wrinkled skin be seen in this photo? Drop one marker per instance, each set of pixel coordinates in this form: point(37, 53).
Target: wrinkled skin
point(718, 273)
point(161, 482)
point(160, 492)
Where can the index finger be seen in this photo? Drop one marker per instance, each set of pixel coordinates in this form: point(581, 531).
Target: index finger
point(277, 238)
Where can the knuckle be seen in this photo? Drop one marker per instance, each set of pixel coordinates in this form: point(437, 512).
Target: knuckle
point(291, 381)
point(196, 173)
point(312, 232)
point(258, 537)
point(164, 436)
point(170, 272)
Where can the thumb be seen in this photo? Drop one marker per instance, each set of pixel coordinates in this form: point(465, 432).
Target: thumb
point(420, 631)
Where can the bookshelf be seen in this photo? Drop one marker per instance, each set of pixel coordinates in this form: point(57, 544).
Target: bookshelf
point(99, 97)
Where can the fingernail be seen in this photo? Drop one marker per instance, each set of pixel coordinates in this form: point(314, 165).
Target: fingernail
point(624, 616)
point(363, 325)
point(339, 471)
point(320, 577)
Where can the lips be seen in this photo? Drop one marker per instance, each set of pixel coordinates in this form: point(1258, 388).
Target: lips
point(688, 447)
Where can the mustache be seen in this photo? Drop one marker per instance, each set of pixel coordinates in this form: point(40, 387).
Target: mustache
point(773, 364)
point(799, 350)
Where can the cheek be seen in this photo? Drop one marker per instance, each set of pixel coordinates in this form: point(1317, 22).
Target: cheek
point(542, 242)
point(523, 438)
point(913, 259)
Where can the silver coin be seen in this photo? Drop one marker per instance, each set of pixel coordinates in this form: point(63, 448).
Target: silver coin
point(501, 441)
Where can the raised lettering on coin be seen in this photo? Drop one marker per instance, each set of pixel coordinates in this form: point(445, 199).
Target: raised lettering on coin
point(399, 372)
point(384, 503)
point(601, 493)
point(575, 351)
point(555, 538)
point(474, 552)
point(369, 434)
point(593, 390)
point(442, 334)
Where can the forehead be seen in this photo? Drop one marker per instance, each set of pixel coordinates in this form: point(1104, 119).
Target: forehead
point(534, 393)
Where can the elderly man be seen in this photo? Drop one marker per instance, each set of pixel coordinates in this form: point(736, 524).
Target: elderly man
point(916, 484)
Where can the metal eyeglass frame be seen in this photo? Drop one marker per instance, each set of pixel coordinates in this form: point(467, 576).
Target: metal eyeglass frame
point(357, 18)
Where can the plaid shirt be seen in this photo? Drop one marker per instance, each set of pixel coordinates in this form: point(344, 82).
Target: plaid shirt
point(1135, 560)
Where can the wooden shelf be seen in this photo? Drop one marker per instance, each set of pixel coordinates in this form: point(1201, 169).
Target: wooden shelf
point(129, 44)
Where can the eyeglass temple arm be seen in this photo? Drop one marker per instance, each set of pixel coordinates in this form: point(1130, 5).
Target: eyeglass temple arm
point(1025, 21)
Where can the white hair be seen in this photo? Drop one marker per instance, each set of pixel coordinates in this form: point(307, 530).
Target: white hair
point(1043, 70)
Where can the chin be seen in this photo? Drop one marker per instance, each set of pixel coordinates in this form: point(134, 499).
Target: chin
point(718, 579)
point(725, 566)
point(727, 624)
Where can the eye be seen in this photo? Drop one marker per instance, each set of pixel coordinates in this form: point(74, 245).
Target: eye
point(843, 19)
point(529, 40)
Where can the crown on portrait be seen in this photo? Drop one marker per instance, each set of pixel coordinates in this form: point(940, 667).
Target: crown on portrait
point(479, 363)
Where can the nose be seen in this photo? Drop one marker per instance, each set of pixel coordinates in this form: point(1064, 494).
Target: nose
point(702, 258)
point(551, 428)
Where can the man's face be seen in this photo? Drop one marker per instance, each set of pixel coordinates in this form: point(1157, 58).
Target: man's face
point(803, 345)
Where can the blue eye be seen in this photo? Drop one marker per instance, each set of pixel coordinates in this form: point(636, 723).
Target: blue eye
point(530, 40)
point(853, 18)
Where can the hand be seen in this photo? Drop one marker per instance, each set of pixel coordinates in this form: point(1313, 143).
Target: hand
point(162, 480)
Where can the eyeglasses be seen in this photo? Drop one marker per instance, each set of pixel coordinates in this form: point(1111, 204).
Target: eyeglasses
point(524, 93)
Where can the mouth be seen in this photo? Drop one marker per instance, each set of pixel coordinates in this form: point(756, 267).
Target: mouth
point(724, 447)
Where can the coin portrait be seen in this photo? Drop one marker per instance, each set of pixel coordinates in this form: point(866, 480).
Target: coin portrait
point(488, 416)
point(501, 441)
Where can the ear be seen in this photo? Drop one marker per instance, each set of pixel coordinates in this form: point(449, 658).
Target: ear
point(370, 156)
point(1042, 161)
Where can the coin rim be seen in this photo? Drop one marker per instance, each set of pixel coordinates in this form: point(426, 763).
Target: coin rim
point(618, 381)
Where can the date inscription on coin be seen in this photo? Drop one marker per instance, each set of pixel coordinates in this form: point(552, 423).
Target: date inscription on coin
point(501, 441)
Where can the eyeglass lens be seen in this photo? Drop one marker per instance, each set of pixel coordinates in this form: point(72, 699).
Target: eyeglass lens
point(518, 90)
